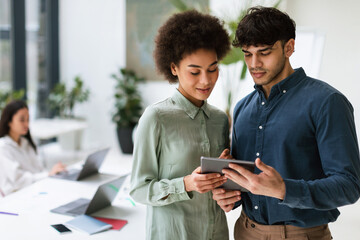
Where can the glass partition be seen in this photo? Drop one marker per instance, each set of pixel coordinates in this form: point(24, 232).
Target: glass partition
point(5, 46)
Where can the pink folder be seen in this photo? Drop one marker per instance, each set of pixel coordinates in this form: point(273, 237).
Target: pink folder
point(117, 224)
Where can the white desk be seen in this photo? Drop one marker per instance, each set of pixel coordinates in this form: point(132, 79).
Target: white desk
point(45, 128)
point(33, 204)
point(68, 131)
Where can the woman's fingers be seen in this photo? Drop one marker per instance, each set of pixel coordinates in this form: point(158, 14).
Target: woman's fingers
point(205, 186)
point(226, 199)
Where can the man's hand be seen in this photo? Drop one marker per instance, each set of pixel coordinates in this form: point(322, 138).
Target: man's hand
point(267, 183)
point(226, 199)
point(203, 183)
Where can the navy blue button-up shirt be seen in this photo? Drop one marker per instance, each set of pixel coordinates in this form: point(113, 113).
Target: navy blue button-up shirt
point(306, 131)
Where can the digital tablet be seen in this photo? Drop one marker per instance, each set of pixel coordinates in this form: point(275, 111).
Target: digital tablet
point(216, 165)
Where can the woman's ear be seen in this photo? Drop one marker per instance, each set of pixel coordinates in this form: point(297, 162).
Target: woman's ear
point(289, 47)
point(173, 69)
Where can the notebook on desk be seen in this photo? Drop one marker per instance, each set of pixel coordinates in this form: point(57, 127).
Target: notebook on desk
point(91, 166)
point(103, 198)
point(88, 224)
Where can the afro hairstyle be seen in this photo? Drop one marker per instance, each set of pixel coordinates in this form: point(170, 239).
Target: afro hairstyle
point(184, 33)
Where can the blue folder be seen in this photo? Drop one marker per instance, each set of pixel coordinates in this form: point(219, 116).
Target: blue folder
point(88, 224)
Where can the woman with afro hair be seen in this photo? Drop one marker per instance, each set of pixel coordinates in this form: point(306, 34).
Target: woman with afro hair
point(173, 134)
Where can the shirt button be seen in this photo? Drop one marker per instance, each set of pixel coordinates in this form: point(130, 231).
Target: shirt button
point(263, 103)
point(284, 91)
point(260, 127)
point(256, 207)
point(257, 154)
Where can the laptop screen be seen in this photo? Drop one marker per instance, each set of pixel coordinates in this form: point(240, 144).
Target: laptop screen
point(105, 194)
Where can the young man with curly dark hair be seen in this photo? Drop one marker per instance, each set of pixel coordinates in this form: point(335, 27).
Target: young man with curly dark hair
point(173, 134)
point(303, 131)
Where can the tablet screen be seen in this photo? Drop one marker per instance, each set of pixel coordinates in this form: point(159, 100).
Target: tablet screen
point(216, 165)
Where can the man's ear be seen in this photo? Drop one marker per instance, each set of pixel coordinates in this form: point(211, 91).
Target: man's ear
point(173, 69)
point(289, 47)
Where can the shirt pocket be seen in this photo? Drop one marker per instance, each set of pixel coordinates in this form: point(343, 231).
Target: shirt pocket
point(218, 144)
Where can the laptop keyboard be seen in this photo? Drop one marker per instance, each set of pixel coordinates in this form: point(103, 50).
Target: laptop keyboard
point(79, 210)
point(71, 174)
point(77, 207)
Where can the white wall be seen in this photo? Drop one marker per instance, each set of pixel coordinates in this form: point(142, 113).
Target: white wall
point(92, 45)
point(340, 22)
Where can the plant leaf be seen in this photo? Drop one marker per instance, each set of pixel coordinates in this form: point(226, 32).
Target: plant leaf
point(179, 5)
point(235, 55)
point(243, 72)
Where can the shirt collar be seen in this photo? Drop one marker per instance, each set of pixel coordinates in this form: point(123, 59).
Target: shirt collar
point(287, 83)
point(188, 106)
point(11, 141)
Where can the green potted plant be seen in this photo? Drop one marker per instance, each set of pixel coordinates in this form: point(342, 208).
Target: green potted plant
point(128, 106)
point(8, 96)
point(63, 101)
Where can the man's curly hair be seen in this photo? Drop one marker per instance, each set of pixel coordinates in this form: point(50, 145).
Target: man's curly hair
point(264, 25)
point(184, 33)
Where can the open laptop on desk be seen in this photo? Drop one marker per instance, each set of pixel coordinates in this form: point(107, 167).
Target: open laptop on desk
point(103, 198)
point(90, 167)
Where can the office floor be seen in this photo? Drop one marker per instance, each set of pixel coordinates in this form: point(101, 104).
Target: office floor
point(347, 226)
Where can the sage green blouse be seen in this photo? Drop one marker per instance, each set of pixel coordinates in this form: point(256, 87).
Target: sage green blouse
point(171, 137)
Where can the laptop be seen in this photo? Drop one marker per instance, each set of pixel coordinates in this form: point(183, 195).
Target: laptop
point(103, 198)
point(90, 167)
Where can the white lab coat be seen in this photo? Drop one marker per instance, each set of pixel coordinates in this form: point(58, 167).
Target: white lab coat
point(19, 165)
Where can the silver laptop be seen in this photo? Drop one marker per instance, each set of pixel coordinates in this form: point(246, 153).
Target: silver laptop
point(90, 167)
point(103, 198)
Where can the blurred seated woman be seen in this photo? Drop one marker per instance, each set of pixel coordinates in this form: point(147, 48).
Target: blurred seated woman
point(19, 163)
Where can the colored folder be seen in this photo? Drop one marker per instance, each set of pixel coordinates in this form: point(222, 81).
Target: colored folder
point(117, 224)
point(88, 224)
